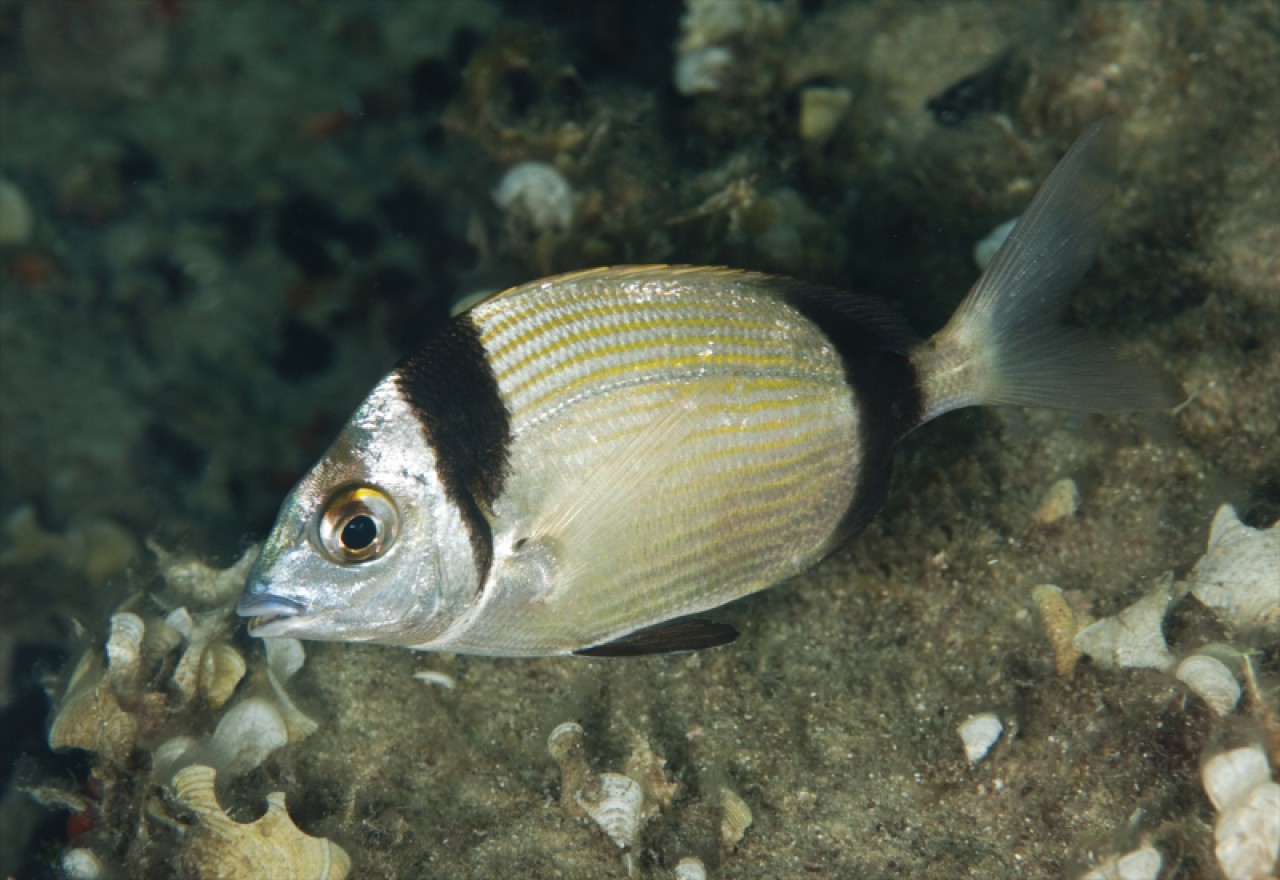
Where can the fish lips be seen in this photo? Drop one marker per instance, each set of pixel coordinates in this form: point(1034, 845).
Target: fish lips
point(268, 614)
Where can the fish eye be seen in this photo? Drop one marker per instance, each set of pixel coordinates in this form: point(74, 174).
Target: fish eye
point(357, 525)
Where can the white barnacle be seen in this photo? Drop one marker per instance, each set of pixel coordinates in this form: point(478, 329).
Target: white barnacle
point(1133, 638)
point(979, 733)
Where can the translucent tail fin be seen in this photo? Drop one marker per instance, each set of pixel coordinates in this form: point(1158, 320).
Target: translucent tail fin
point(1004, 345)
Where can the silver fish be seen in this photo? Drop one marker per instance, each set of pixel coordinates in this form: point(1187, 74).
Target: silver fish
point(584, 463)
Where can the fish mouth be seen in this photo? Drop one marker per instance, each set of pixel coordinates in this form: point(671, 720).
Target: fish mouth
point(263, 610)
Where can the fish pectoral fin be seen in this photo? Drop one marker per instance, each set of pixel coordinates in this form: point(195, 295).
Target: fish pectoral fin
point(677, 636)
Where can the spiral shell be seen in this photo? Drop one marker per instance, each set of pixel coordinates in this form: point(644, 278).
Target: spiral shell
point(271, 848)
point(614, 802)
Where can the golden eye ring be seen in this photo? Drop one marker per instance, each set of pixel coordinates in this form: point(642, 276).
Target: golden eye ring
point(358, 524)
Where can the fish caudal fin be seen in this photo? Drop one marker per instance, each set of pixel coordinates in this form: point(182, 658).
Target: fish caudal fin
point(1004, 345)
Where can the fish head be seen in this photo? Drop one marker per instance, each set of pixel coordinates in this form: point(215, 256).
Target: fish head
point(366, 547)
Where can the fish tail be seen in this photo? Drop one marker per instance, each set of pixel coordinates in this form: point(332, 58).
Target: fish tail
point(1003, 346)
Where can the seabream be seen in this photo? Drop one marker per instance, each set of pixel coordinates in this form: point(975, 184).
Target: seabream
point(586, 463)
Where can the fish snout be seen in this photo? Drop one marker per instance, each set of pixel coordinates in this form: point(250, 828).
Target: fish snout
point(264, 607)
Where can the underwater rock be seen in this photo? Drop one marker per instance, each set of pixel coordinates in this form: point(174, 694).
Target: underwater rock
point(1239, 575)
point(16, 221)
point(979, 733)
point(821, 111)
point(1133, 638)
point(272, 848)
point(92, 546)
point(193, 584)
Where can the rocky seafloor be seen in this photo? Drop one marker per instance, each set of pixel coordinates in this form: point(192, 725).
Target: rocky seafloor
point(221, 222)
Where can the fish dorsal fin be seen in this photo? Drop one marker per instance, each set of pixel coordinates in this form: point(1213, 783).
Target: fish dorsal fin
point(672, 637)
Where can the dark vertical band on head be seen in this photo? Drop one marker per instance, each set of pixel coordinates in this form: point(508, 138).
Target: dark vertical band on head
point(450, 386)
point(874, 345)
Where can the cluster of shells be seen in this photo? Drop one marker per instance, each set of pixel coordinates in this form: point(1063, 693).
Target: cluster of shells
point(1237, 584)
point(620, 804)
point(169, 664)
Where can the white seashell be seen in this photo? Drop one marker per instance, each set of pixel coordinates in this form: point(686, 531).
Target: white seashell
point(272, 848)
point(89, 715)
point(221, 670)
point(1133, 638)
point(124, 647)
point(537, 193)
point(1229, 776)
point(565, 746)
point(1247, 835)
point(284, 657)
point(614, 802)
point(245, 736)
point(180, 621)
point(1143, 863)
point(1212, 681)
point(1239, 575)
point(979, 733)
point(702, 71)
point(173, 754)
point(1061, 501)
point(690, 868)
point(735, 818)
point(437, 678)
point(985, 250)
point(81, 864)
point(1247, 831)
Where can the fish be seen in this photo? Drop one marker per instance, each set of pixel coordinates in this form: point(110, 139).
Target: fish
point(588, 463)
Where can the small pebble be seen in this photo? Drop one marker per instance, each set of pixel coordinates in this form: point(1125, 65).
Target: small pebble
point(979, 733)
point(16, 221)
point(985, 250)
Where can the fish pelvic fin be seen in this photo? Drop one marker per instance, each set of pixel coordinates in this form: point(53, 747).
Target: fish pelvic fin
point(1003, 346)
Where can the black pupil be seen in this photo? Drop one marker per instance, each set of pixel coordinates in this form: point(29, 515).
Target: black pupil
point(359, 532)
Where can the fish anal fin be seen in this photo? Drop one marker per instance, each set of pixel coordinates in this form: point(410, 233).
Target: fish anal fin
point(671, 637)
